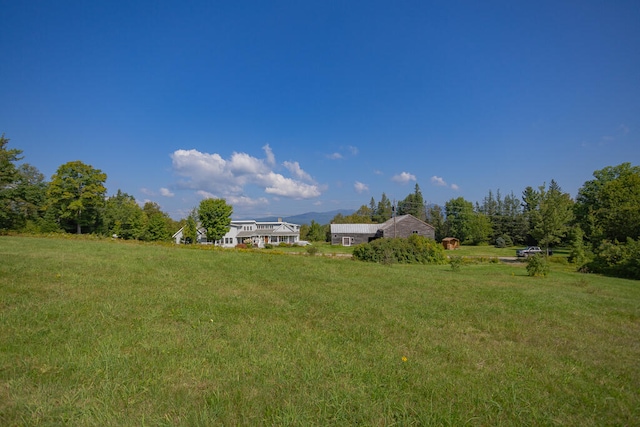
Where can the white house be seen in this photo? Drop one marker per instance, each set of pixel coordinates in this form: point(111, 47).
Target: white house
point(258, 233)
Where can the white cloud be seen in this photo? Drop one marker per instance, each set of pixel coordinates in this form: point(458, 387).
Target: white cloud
point(360, 187)
point(166, 192)
point(245, 201)
point(438, 181)
point(455, 187)
point(277, 184)
point(404, 177)
point(212, 174)
point(244, 164)
point(147, 192)
point(271, 159)
point(353, 150)
point(206, 195)
point(334, 156)
point(296, 170)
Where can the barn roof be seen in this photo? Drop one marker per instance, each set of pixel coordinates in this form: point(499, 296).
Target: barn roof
point(389, 223)
point(355, 228)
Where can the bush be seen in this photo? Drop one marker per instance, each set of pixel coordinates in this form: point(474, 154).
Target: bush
point(537, 266)
point(413, 250)
point(311, 250)
point(504, 241)
point(268, 246)
point(456, 262)
point(617, 259)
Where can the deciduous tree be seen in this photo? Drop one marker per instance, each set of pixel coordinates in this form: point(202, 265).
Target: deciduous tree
point(608, 207)
point(8, 178)
point(76, 195)
point(215, 217)
point(123, 217)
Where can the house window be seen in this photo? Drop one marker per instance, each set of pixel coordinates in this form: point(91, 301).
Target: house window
point(415, 231)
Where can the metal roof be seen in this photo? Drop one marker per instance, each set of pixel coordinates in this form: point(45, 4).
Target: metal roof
point(355, 228)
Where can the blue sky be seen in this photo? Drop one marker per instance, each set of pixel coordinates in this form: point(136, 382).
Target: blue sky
point(286, 107)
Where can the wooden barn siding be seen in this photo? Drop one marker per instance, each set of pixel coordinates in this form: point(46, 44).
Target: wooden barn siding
point(408, 226)
point(357, 238)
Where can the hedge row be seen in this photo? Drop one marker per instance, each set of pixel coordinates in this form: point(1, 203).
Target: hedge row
point(412, 250)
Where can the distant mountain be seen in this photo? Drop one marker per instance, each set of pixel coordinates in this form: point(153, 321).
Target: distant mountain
point(321, 218)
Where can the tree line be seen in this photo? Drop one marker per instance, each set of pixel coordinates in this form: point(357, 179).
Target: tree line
point(73, 201)
point(601, 226)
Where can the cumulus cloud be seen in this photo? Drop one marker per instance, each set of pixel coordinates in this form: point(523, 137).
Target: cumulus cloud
point(404, 177)
point(206, 195)
point(279, 185)
point(271, 159)
point(210, 173)
point(348, 151)
point(296, 170)
point(438, 181)
point(166, 192)
point(245, 201)
point(360, 187)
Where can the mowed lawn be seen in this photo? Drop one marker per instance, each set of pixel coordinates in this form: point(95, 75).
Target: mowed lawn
point(98, 332)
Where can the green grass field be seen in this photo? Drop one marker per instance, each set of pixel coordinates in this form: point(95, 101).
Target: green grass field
point(97, 332)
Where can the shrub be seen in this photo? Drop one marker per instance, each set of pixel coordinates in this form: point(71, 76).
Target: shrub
point(555, 259)
point(311, 250)
point(413, 250)
point(268, 246)
point(617, 259)
point(283, 245)
point(537, 266)
point(504, 241)
point(241, 246)
point(456, 262)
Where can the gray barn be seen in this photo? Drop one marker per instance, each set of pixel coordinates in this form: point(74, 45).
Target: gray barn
point(401, 226)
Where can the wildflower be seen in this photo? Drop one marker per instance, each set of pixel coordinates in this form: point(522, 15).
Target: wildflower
point(404, 358)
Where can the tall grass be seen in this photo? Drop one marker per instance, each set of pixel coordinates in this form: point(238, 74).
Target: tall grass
point(106, 333)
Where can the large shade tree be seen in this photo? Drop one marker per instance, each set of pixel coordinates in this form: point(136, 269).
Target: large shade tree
point(123, 217)
point(76, 195)
point(608, 207)
point(215, 217)
point(8, 178)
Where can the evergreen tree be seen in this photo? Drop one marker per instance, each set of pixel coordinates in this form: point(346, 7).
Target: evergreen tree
point(435, 217)
point(384, 211)
point(413, 204)
point(551, 219)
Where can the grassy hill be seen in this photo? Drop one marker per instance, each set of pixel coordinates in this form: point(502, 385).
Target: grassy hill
point(114, 333)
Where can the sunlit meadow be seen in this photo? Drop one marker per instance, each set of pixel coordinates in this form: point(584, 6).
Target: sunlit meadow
point(100, 332)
